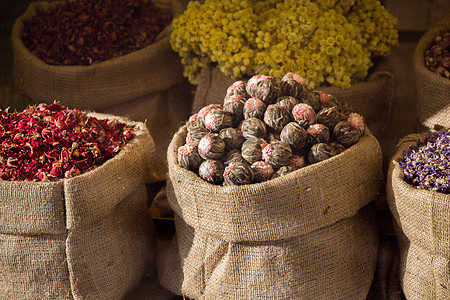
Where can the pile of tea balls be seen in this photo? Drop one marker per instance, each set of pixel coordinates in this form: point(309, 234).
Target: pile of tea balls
point(265, 129)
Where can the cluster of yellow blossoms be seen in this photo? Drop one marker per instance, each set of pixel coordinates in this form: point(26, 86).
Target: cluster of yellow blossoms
point(328, 42)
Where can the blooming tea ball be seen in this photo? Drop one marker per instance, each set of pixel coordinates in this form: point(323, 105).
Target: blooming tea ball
point(346, 134)
point(292, 84)
point(251, 149)
point(295, 135)
point(277, 154)
point(194, 136)
point(276, 117)
point(317, 133)
point(284, 170)
point(234, 105)
point(304, 114)
point(254, 127)
point(194, 122)
point(287, 101)
point(237, 173)
point(237, 88)
point(201, 114)
point(188, 157)
point(262, 171)
point(357, 121)
point(234, 155)
point(254, 108)
point(312, 98)
point(211, 146)
point(298, 161)
point(338, 148)
point(232, 137)
point(328, 100)
point(263, 87)
point(273, 137)
point(218, 119)
point(320, 152)
point(211, 171)
point(328, 116)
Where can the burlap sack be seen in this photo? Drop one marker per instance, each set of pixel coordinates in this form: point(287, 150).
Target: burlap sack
point(141, 85)
point(305, 235)
point(433, 90)
point(88, 237)
point(372, 98)
point(422, 221)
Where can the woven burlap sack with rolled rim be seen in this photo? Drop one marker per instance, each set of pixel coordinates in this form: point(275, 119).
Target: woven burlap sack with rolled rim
point(88, 237)
point(300, 236)
point(423, 231)
point(141, 85)
point(372, 98)
point(433, 90)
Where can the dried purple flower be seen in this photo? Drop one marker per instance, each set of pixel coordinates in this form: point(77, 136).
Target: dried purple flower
point(317, 133)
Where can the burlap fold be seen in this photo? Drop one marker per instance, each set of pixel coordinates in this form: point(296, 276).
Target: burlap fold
point(146, 85)
point(88, 237)
point(422, 228)
point(433, 90)
point(372, 98)
point(304, 235)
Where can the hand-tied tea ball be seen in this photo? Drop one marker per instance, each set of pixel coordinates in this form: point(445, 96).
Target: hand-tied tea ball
point(320, 152)
point(304, 114)
point(238, 173)
point(188, 157)
point(277, 154)
point(346, 134)
point(292, 84)
point(276, 117)
point(254, 108)
point(211, 171)
point(262, 171)
point(254, 127)
point(264, 131)
point(263, 87)
point(211, 146)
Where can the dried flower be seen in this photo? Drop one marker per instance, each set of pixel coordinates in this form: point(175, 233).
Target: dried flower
point(48, 142)
point(298, 161)
point(238, 173)
point(304, 114)
point(234, 105)
point(276, 117)
point(201, 114)
point(211, 171)
point(357, 121)
point(188, 157)
point(426, 165)
point(211, 146)
point(437, 57)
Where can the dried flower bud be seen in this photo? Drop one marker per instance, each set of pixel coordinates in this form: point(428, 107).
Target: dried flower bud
point(251, 149)
point(338, 148)
point(287, 101)
point(254, 108)
point(320, 152)
point(277, 154)
point(304, 114)
point(232, 137)
point(329, 117)
point(234, 155)
point(284, 170)
point(188, 157)
point(237, 88)
point(211, 171)
point(317, 133)
point(298, 161)
point(346, 134)
point(292, 84)
point(218, 119)
point(357, 121)
point(254, 127)
point(312, 98)
point(264, 88)
point(237, 173)
point(276, 117)
point(295, 135)
point(234, 105)
point(211, 146)
point(262, 171)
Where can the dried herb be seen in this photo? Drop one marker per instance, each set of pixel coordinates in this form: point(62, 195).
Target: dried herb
point(437, 57)
point(84, 32)
point(48, 142)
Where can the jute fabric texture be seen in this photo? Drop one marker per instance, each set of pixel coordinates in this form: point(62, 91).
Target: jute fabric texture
point(433, 90)
point(88, 237)
point(372, 98)
point(422, 229)
point(304, 235)
point(146, 85)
